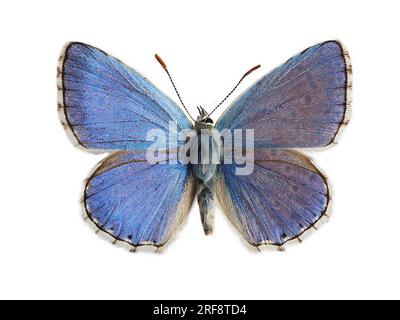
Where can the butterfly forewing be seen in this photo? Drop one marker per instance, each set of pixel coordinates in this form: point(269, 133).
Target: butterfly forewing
point(108, 105)
point(302, 103)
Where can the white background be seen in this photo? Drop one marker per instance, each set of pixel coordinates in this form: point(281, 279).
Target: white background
point(47, 251)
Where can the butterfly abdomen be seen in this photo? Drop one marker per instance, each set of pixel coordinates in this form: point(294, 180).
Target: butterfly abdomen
point(205, 199)
point(205, 177)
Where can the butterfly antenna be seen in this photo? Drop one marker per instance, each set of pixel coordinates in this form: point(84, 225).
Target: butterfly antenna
point(162, 63)
point(234, 88)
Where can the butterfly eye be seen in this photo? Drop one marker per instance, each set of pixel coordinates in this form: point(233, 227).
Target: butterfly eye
point(208, 120)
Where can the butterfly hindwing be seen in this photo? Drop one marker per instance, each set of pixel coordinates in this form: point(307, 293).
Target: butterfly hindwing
point(302, 103)
point(138, 202)
point(284, 196)
point(108, 105)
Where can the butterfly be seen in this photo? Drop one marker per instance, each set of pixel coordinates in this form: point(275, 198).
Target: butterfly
point(106, 106)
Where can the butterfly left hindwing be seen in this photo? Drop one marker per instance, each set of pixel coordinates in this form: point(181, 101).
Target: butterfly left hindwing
point(138, 202)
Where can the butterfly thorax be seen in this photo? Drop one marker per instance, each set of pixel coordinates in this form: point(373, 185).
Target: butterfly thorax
point(198, 125)
point(205, 163)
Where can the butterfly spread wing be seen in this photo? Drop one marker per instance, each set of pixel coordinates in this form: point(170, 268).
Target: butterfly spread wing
point(302, 103)
point(284, 196)
point(108, 105)
point(138, 202)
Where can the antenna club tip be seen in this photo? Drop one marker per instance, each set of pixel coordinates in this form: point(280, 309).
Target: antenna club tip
point(160, 61)
point(251, 70)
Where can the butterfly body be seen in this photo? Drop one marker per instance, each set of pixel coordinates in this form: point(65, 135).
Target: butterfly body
point(205, 170)
point(109, 107)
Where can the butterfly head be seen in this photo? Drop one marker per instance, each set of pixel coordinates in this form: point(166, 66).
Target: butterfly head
point(203, 116)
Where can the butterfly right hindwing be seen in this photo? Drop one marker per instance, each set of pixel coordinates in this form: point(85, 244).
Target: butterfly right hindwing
point(284, 196)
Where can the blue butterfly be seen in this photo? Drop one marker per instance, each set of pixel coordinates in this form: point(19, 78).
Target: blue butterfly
point(107, 106)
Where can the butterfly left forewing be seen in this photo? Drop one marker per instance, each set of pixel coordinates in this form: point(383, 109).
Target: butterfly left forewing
point(105, 105)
